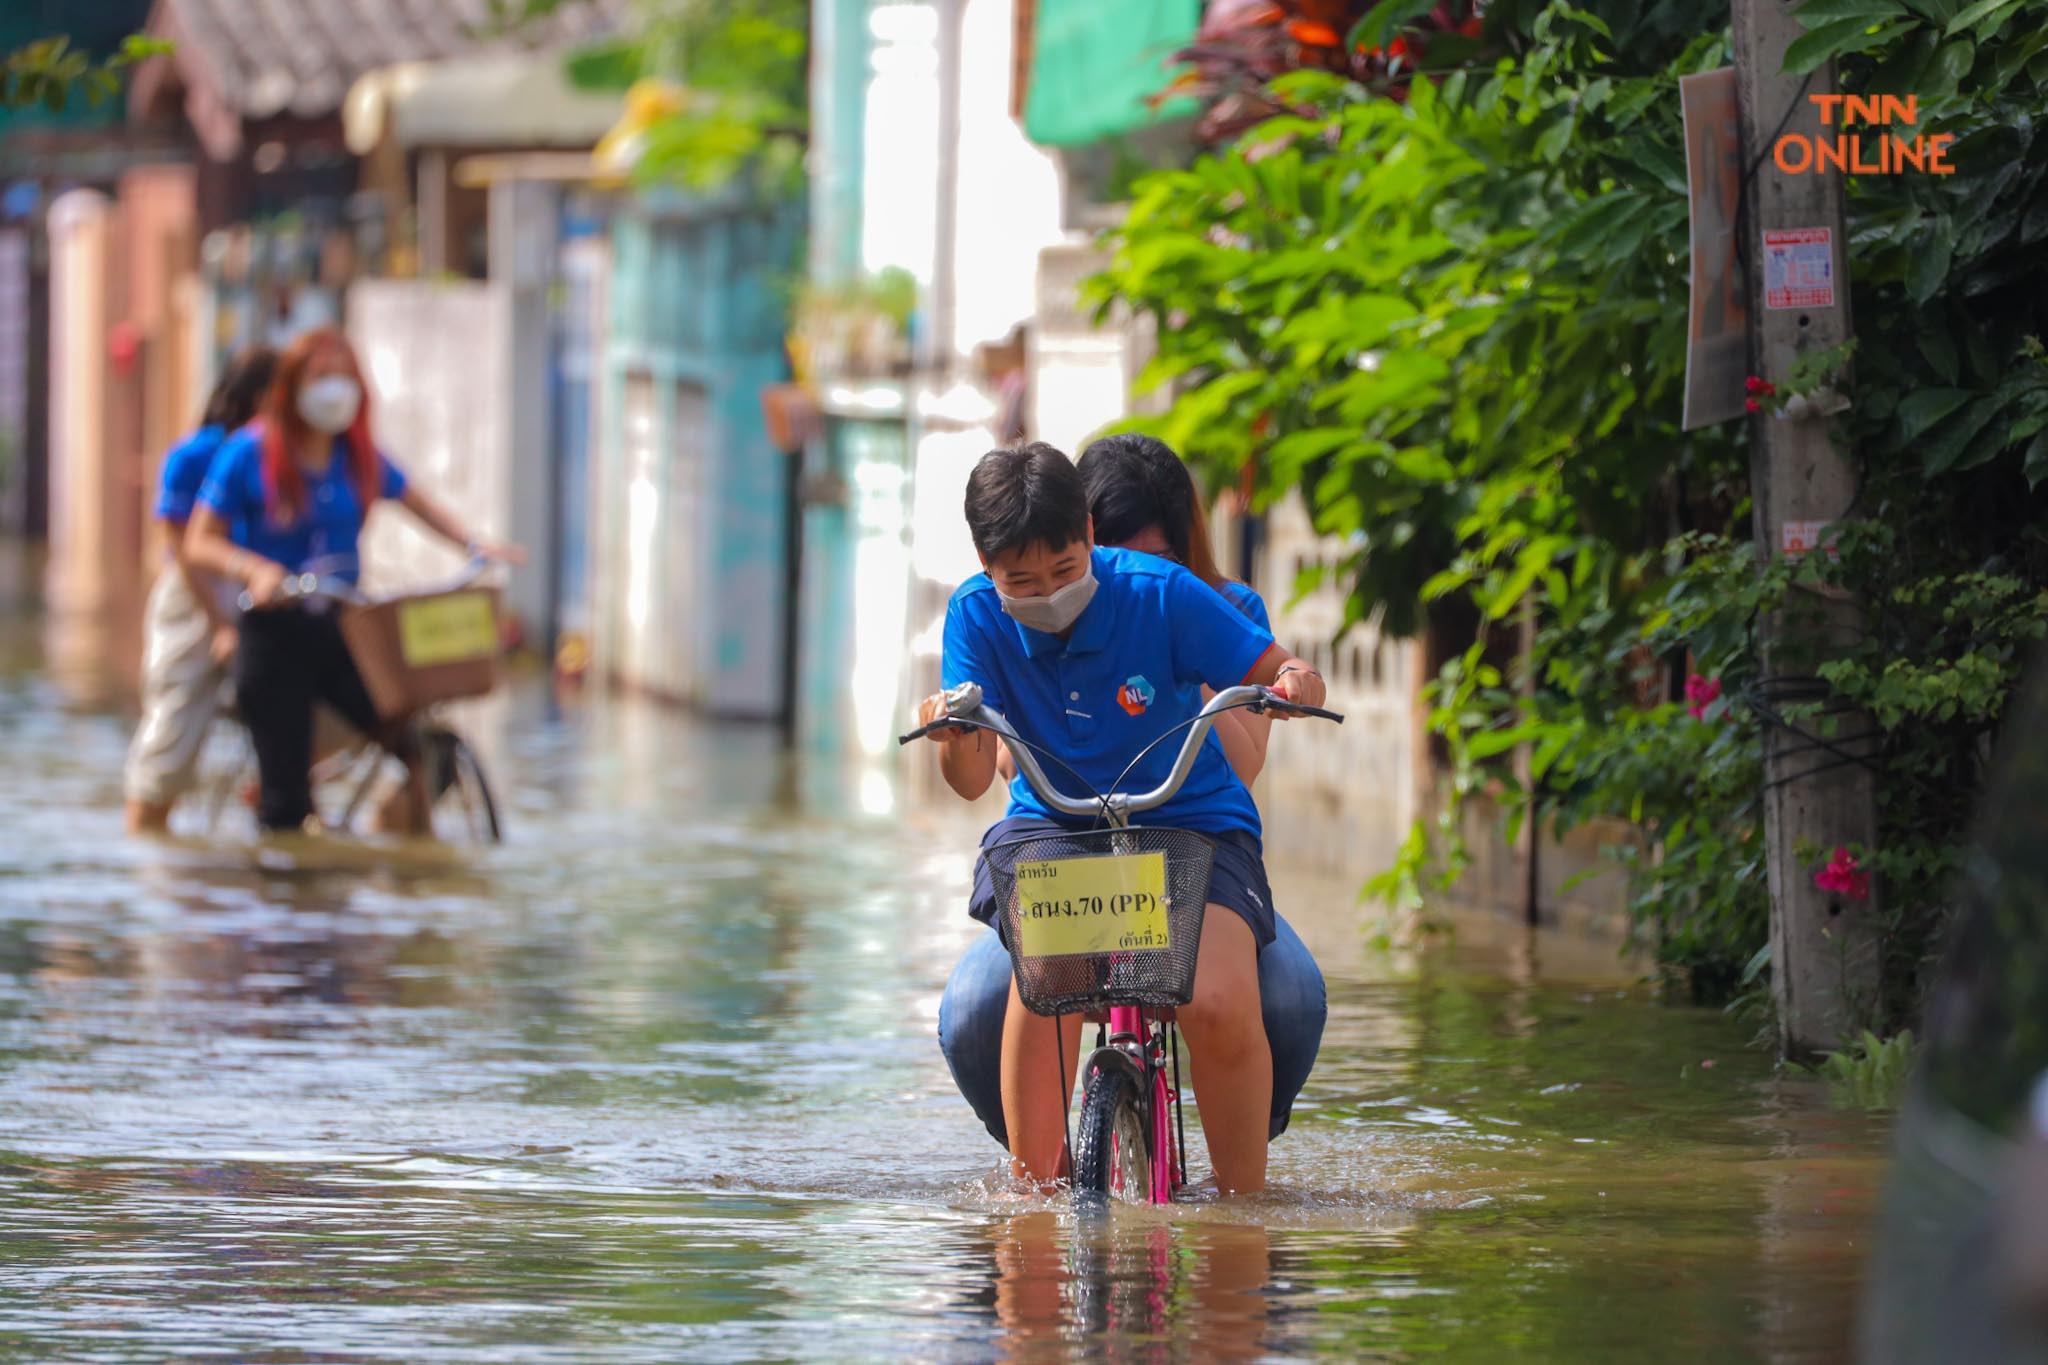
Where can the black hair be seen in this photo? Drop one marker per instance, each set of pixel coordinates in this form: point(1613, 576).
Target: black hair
point(1028, 495)
point(240, 391)
point(1135, 481)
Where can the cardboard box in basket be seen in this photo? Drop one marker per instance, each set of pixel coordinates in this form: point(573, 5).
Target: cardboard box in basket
point(417, 650)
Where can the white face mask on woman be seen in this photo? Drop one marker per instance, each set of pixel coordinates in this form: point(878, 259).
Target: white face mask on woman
point(330, 404)
point(1055, 611)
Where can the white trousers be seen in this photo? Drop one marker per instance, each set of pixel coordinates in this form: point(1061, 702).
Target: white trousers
point(181, 689)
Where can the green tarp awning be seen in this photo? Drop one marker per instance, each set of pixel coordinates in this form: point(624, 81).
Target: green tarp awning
point(1095, 63)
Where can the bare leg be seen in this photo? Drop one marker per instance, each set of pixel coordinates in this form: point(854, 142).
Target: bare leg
point(1233, 1063)
point(147, 817)
point(408, 810)
point(1034, 1110)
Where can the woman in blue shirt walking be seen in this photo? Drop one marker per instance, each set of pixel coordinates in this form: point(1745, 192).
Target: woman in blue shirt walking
point(289, 495)
point(187, 634)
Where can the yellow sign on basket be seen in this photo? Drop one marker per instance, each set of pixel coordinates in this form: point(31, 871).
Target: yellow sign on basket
point(447, 629)
point(1106, 904)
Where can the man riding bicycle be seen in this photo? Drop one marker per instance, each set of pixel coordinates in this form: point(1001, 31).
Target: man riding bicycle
point(1093, 654)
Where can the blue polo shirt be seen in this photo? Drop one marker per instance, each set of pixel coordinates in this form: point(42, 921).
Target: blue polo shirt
point(1132, 667)
point(322, 538)
point(184, 470)
point(1250, 603)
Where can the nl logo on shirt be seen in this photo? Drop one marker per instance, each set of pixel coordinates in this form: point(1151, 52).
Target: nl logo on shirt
point(1135, 695)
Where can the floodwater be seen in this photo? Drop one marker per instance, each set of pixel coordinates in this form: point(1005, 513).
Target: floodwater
point(657, 1081)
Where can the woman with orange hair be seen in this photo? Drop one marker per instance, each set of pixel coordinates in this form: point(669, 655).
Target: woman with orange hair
point(289, 495)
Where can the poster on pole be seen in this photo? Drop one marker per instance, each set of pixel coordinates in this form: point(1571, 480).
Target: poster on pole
point(1799, 268)
point(1717, 332)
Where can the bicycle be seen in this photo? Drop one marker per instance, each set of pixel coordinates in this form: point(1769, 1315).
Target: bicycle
point(1108, 923)
point(460, 803)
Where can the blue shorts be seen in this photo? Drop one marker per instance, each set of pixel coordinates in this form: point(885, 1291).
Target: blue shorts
point(1237, 877)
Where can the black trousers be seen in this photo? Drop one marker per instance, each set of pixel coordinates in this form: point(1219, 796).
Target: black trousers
point(288, 659)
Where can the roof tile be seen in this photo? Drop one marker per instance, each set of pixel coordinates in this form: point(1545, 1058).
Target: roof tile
point(264, 57)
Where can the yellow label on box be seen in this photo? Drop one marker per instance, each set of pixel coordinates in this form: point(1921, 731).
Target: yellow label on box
point(449, 629)
point(1106, 904)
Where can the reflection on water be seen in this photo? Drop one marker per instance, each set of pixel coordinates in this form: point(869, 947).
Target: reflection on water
point(657, 1080)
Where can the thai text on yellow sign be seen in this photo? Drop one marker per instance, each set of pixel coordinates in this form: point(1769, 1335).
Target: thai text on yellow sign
point(448, 629)
point(1105, 904)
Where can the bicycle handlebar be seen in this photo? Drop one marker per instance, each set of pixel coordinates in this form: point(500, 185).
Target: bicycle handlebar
point(307, 586)
point(965, 711)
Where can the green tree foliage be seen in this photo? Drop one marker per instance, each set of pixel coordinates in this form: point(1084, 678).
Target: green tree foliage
point(1456, 324)
point(49, 71)
point(740, 67)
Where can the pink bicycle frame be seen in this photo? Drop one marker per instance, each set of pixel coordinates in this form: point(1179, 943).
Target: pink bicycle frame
point(1130, 1020)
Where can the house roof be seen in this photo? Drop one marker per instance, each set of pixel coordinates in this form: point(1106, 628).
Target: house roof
point(242, 60)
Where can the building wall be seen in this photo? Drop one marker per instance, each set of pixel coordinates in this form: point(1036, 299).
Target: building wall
point(1339, 798)
point(14, 372)
point(1007, 203)
point(81, 225)
point(442, 412)
point(689, 492)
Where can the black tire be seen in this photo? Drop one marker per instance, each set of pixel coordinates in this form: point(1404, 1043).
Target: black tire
point(464, 807)
point(1113, 1148)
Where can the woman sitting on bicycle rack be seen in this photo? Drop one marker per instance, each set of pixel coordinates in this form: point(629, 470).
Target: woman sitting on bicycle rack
point(187, 634)
point(285, 496)
point(1094, 653)
point(1141, 497)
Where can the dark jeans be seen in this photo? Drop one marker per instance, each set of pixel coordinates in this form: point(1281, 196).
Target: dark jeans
point(288, 659)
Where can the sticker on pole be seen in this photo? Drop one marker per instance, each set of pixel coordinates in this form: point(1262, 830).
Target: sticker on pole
point(1796, 538)
point(1799, 268)
point(1092, 905)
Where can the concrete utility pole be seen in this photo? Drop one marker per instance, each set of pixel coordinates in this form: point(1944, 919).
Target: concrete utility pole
point(1824, 960)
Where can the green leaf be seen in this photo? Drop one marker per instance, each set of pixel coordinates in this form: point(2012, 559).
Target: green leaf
point(2035, 467)
point(1816, 12)
point(1939, 348)
point(1936, 11)
point(1384, 20)
point(1663, 163)
point(1899, 74)
point(2034, 225)
point(1984, 10)
point(1940, 454)
point(1930, 264)
point(1552, 144)
point(1492, 742)
point(1952, 61)
point(608, 66)
point(1815, 46)
point(1922, 408)
point(101, 86)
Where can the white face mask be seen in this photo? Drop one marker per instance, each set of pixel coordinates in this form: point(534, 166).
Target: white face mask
point(330, 404)
point(1056, 611)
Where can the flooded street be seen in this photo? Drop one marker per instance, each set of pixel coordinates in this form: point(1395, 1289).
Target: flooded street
point(657, 1080)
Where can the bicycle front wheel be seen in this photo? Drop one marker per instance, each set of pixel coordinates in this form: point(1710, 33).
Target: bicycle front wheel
point(464, 808)
point(1112, 1156)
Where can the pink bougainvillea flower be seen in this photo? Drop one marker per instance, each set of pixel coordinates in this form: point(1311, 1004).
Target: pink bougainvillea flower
point(1700, 693)
point(1844, 877)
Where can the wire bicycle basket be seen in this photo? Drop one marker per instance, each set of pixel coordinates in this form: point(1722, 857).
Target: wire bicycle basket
point(1102, 917)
